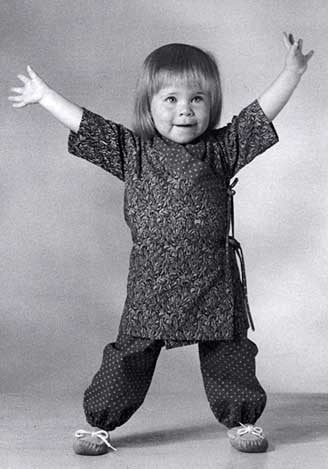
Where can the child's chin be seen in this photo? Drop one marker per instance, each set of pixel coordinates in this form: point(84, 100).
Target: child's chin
point(183, 140)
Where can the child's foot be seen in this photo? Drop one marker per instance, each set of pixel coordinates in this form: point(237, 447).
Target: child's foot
point(92, 443)
point(248, 439)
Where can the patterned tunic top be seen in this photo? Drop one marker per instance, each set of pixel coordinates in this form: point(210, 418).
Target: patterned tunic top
point(180, 287)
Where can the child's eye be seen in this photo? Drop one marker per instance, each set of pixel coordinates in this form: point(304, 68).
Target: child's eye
point(197, 99)
point(171, 99)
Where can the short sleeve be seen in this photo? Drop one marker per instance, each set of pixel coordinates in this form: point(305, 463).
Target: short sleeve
point(249, 134)
point(103, 143)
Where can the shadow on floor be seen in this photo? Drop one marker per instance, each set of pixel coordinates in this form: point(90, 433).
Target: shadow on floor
point(168, 436)
point(287, 420)
point(297, 419)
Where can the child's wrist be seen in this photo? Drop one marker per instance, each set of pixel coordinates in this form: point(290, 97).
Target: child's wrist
point(291, 75)
point(293, 71)
point(46, 96)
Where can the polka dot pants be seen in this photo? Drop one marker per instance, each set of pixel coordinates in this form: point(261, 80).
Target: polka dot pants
point(119, 387)
point(232, 389)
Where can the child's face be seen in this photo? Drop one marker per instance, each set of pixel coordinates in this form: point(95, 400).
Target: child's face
point(181, 113)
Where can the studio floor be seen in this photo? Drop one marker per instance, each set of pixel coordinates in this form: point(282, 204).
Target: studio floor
point(171, 432)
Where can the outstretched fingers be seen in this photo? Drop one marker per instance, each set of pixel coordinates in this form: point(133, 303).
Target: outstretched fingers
point(23, 78)
point(17, 90)
point(309, 55)
point(18, 98)
point(17, 101)
point(288, 40)
point(297, 46)
point(31, 72)
point(15, 98)
point(19, 104)
point(31, 90)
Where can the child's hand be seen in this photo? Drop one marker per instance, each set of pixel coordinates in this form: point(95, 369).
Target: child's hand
point(32, 92)
point(296, 61)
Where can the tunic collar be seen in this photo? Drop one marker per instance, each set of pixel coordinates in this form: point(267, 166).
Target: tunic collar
point(195, 149)
point(181, 160)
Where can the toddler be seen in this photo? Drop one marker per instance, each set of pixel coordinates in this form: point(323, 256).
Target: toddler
point(184, 284)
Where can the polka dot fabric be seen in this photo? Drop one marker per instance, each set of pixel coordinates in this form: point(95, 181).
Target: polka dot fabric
point(119, 387)
point(233, 391)
point(184, 160)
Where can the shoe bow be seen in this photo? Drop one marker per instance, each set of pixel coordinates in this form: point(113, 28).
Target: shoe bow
point(250, 429)
point(101, 434)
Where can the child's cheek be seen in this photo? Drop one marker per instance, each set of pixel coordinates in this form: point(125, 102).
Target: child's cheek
point(166, 114)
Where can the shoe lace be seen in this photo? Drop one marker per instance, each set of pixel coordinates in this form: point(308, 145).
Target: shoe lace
point(101, 434)
point(250, 429)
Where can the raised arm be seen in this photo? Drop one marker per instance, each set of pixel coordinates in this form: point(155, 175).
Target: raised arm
point(35, 90)
point(277, 95)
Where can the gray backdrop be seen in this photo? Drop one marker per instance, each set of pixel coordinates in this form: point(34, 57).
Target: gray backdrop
point(64, 245)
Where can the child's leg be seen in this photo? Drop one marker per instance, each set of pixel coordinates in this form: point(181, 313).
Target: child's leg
point(233, 391)
point(119, 387)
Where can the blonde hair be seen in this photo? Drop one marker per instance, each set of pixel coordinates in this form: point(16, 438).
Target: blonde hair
point(175, 63)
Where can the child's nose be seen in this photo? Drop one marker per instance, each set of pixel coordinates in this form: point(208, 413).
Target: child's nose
point(186, 110)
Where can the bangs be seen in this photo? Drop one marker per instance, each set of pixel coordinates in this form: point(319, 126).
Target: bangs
point(191, 78)
point(180, 64)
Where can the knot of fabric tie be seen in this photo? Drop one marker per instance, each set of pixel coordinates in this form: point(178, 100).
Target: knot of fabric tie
point(230, 191)
point(232, 185)
point(101, 434)
point(250, 429)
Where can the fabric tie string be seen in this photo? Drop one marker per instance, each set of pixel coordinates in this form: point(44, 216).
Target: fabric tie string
point(232, 242)
point(239, 252)
point(230, 221)
point(101, 434)
point(250, 429)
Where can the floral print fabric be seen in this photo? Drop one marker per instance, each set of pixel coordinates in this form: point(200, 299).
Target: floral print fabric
point(180, 288)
